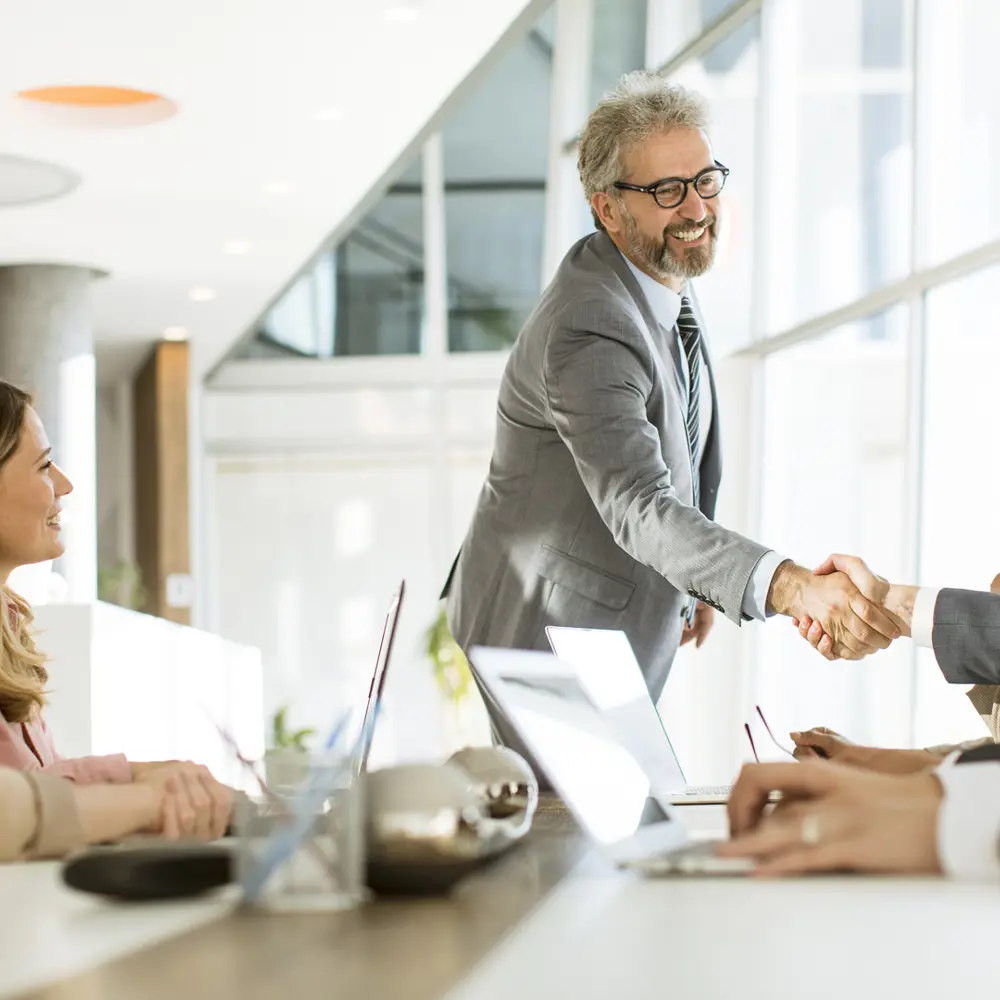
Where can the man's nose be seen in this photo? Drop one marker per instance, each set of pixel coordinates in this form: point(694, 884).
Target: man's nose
point(692, 207)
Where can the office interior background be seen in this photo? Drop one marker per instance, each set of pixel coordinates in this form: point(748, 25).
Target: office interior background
point(351, 249)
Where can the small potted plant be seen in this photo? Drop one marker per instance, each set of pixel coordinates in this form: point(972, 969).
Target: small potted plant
point(465, 718)
point(286, 761)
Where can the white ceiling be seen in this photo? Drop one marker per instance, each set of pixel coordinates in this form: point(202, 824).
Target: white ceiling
point(158, 203)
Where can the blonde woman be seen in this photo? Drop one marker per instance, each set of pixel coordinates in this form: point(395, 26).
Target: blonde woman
point(31, 490)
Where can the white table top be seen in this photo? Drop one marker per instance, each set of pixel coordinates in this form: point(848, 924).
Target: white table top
point(605, 933)
point(51, 932)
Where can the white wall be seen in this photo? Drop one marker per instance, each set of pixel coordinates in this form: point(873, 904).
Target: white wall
point(326, 484)
point(123, 682)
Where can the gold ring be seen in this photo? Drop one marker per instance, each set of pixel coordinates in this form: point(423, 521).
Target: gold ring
point(810, 831)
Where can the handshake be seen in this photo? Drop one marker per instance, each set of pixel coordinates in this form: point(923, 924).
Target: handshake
point(842, 608)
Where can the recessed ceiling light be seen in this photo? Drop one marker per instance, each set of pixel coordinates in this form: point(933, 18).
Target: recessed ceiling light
point(96, 106)
point(328, 115)
point(279, 188)
point(201, 293)
point(400, 12)
point(175, 333)
point(238, 248)
point(24, 181)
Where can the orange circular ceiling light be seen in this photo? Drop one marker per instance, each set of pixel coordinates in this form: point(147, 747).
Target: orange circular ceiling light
point(96, 106)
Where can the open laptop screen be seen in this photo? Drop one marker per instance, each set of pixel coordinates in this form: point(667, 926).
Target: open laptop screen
point(601, 782)
point(603, 658)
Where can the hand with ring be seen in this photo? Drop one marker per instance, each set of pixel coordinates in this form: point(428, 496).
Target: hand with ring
point(833, 818)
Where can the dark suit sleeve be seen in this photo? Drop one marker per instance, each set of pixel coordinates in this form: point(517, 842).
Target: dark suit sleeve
point(967, 636)
point(989, 751)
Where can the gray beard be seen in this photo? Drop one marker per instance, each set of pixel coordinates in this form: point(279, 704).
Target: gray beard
point(657, 256)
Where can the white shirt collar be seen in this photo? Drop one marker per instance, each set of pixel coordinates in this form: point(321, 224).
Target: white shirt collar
point(665, 302)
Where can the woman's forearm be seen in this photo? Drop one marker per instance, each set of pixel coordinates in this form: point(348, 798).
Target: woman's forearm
point(48, 816)
point(109, 812)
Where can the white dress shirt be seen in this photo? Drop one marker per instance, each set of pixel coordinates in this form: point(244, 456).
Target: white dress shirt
point(666, 306)
point(969, 820)
point(922, 622)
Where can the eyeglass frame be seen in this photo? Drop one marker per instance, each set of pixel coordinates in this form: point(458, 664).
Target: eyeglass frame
point(746, 727)
point(650, 189)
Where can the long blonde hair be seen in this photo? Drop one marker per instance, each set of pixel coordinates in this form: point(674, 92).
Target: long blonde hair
point(22, 667)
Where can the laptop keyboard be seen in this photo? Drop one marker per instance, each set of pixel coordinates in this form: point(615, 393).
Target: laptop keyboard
point(698, 790)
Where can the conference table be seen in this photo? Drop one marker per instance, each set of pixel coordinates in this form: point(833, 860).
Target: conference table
point(551, 919)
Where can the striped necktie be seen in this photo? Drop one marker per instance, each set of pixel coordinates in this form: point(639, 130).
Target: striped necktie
point(687, 327)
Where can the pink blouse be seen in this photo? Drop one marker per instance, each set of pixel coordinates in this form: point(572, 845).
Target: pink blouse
point(29, 746)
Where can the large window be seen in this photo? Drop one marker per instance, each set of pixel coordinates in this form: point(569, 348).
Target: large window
point(727, 75)
point(835, 435)
point(379, 275)
point(366, 296)
point(839, 224)
point(960, 524)
point(495, 155)
point(960, 540)
point(618, 43)
point(683, 21)
point(964, 126)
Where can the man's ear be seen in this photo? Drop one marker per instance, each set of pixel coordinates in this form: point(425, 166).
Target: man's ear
point(605, 207)
point(995, 585)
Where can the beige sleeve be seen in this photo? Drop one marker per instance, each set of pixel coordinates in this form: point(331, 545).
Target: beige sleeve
point(58, 829)
point(985, 699)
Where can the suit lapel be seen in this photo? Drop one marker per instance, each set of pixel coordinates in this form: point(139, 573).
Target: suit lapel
point(710, 472)
point(611, 255)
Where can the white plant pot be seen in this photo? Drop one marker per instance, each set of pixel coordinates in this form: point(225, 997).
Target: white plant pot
point(285, 768)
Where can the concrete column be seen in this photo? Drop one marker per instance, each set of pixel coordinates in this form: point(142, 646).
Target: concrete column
point(47, 347)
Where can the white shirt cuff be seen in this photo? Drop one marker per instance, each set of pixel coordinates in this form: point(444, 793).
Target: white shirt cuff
point(922, 625)
point(969, 820)
point(755, 596)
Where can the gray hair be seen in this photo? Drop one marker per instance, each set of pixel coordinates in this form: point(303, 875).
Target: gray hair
point(641, 104)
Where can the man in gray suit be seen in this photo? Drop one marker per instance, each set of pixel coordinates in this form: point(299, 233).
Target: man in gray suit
point(598, 507)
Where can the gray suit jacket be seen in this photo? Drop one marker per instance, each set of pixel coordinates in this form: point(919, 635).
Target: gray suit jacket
point(966, 636)
point(585, 517)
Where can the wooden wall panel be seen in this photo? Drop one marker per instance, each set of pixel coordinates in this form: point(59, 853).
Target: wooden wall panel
point(162, 516)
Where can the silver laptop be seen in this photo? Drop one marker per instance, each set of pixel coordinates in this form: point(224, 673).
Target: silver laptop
point(605, 661)
point(607, 789)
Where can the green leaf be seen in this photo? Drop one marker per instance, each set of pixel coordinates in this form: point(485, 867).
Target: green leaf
point(298, 739)
point(451, 669)
point(279, 732)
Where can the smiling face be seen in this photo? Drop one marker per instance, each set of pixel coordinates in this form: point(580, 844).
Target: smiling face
point(670, 244)
point(31, 488)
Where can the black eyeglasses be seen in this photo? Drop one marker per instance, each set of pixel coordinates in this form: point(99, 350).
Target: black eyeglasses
point(671, 191)
point(746, 727)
